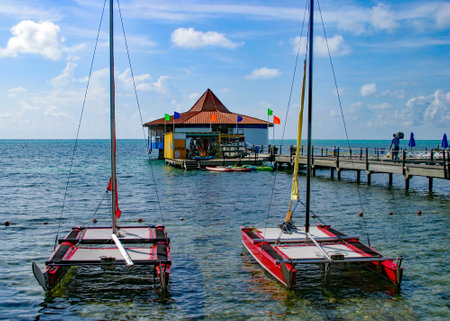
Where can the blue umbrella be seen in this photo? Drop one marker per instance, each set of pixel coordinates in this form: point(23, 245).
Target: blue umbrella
point(412, 142)
point(444, 143)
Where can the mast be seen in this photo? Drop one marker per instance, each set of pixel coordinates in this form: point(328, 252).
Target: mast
point(310, 81)
point(112, 112)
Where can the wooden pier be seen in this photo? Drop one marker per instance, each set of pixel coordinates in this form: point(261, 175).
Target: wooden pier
point(374, 163)
point(337, 160)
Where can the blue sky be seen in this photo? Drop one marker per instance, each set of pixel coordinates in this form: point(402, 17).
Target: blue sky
point(392, 63)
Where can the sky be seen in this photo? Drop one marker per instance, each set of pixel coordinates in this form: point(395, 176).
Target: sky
point(391, 63)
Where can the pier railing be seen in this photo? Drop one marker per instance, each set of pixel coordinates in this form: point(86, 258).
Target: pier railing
point(432, 163)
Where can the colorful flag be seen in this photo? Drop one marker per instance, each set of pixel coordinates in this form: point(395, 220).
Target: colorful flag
point(166, 117)
point(118, 211)
point(276, 120)
point(176, 115)
point(269, 112)
point(213, 117)
point(239, 118)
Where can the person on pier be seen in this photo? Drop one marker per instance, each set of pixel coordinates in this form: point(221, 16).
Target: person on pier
point(396, 142)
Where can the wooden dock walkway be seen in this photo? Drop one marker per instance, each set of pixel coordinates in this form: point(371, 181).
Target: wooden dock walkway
point(408, 167)
point(373, 162)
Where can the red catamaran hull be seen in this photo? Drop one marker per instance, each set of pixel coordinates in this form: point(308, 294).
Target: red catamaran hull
point(267, 260)
point(270, 257)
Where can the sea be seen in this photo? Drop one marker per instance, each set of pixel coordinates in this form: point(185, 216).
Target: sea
point(212, 277)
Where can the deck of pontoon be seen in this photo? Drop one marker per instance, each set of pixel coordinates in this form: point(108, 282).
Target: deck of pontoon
point(323, 245)
point(134, 245)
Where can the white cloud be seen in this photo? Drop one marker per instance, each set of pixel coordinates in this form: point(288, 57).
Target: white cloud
point(263, 73)
point(143, 82)
point(194, 96)
point(434, 108)
point(29, 37)
point(54, 111)
point(336, 44)
point(369, 89)
point(13, 91)
point(381, 106)
point(354, 107)
point(192, 39)
point(381, 18)
point(443, 16)
point(66, 76)
point(394, 93)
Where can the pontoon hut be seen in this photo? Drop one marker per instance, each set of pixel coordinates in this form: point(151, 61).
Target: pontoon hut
point(208, 129)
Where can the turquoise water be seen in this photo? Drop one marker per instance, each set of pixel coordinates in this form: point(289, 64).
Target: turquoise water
point(211, 277)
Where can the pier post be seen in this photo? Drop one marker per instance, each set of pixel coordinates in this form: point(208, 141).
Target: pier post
point(443, 163)
point(337, 158)
point(360, 153)
point(448, 165)
point(406, 183)
point(390, 179)
point(358, 177)
point(338, 174)
point(430, 184)
point(332, 172)
point(367, 159)
point(369, 178)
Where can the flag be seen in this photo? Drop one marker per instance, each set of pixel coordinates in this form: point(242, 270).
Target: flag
point(118, 211)
point(239, 118)
point(166, 117)
point(269, 112)
point(276, 120)
point(213, 117)
point(176, 115)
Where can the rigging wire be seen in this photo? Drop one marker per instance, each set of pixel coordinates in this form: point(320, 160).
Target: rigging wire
point(79, 125)
point(342, 112)
point(287, 110)
point(140, 112)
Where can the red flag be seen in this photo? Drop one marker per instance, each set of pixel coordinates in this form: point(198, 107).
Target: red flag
point(118, 211)
point(276, 120)
point(213, 117)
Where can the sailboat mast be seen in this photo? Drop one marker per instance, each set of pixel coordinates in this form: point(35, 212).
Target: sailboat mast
point(112, 112)
point(310, 81)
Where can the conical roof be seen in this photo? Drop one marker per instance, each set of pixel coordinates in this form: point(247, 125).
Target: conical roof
point(201, 114)
point(209, 102)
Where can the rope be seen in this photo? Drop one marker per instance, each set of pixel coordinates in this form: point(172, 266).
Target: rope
point(79, 126)
point(140, 112)
point(342, 114)
point(287, 112)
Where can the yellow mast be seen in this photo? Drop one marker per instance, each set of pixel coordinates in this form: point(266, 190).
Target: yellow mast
point(294, 191)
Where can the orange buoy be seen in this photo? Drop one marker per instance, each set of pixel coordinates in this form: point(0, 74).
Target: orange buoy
point(139, 220)
point(419, 212)
point(360, 214)
point(6, 223)
point(94, 220)
point(45, 223)
point(313, 216)
point(390, 213)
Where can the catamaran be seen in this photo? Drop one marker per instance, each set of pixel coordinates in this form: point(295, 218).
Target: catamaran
point(112, 245)
point(282, 250)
